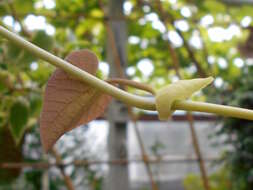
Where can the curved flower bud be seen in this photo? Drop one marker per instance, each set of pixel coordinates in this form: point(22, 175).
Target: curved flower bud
point(180, 90)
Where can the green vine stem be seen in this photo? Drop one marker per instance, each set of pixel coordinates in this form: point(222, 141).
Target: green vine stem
point(146, 103)
point(228, 111)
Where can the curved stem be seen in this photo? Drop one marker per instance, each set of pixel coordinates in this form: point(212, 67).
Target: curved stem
point(131, 83)
point(133, 100)
point(130, 99)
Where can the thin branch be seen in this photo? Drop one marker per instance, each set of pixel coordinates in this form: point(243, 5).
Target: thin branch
point(168, 18)
point(131, 83)
point(15, 16)
point(204, 48)
point(198, 152)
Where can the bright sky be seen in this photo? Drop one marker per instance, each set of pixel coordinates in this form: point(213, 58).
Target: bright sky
point(134, 40)
point(182, 25)
point(48, 4)
point(145, 66)
point(186, 12)
point(130, 71)
point(33, 22)
point(104, 67)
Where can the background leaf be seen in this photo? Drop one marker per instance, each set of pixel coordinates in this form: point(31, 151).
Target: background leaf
point(18, 118)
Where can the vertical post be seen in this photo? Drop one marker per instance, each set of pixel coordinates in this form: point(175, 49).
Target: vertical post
point(117, 177)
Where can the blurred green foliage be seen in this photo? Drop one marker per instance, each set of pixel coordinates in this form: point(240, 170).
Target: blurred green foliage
point(240, 135)
point(71, 25)
point(218, 181)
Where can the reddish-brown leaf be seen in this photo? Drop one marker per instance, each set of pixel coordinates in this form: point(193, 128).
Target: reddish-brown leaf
point(69, 103)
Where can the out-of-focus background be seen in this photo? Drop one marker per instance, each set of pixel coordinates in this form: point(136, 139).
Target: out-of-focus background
point(154, 42)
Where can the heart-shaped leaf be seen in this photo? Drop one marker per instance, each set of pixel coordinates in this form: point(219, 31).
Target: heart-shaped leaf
point(179, 90)
point(69, 103)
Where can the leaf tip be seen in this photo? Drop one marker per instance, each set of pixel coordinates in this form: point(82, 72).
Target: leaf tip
point(209, 80)
point(46, 141)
